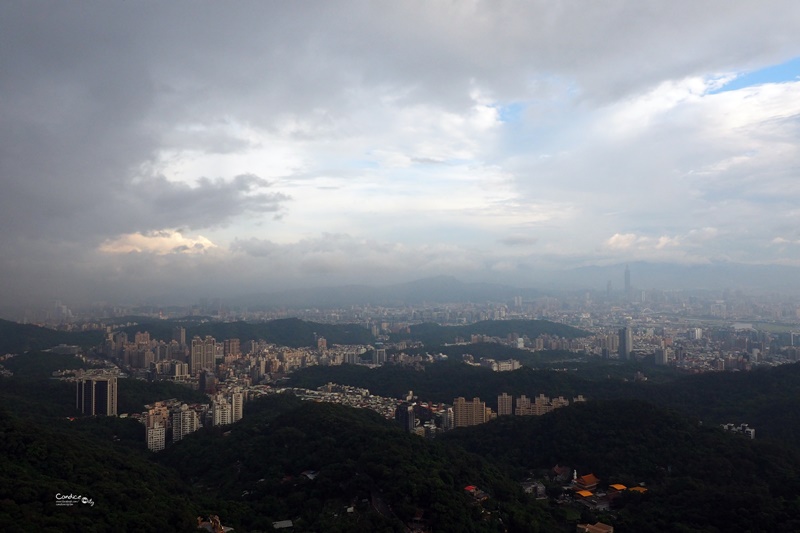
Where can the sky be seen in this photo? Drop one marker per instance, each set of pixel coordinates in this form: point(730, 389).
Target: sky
point(179, 149)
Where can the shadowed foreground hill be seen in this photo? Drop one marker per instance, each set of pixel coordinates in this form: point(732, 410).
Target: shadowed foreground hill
point(699, 478)
point(130, 493)
point(255, 474)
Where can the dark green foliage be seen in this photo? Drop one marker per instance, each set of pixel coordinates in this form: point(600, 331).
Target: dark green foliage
point(763, 398)
point(129, 492)
point(499, 352)
point(41, 365)
point(432, 334)
point(134, 394)
point(257, 472)
point(766, 398)
point(39, 399)
point(698, 476)
point(19, 338)
point(441, 382)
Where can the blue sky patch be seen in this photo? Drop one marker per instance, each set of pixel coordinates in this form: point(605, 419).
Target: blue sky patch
point(511, 112)
point(788, 71)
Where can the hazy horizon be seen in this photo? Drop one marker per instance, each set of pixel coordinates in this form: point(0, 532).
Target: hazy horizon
point(220, 149)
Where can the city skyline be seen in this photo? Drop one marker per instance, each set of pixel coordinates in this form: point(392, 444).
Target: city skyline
point(210, 150)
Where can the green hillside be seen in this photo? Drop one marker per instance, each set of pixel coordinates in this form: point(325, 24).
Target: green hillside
point(19, 338)
point(332, 468)
point(698, 478)
point(130, 493)
point(254, 475)
point(763, 398)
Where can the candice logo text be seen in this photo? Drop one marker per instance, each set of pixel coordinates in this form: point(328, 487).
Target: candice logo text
point(66, 500)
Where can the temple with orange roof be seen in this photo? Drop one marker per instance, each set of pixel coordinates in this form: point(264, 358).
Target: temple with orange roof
point(598, 527)
point(588, 482)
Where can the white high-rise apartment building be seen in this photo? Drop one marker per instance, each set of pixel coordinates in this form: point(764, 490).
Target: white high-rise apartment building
point(184, 421)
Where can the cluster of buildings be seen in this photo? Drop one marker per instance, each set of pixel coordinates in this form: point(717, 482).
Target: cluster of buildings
point(341, 394)
point(695, 331)
point(465, 413)
point(539, 406)
point(171, 420)
point(744, 429)
point(507, 365)
point(248, 363)
point(96, 394)
point(586, 490)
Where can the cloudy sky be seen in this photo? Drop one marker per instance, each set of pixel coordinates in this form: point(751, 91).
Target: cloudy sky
point(153, 148)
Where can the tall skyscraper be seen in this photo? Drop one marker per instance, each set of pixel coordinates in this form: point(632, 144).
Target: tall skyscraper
point(379, 356)
point(196, 359)
point(184, 421)
point(156, 436)
point(231, 348)
point(209, 353)
point(97, 395)
point(221, 412)
point(469, 413)
point(237, 405)
point(142, 339)
point(627, 283)
point(404, 414)
point(625, 343)
point(203, 354)
point(504, 404)
point(179, 335)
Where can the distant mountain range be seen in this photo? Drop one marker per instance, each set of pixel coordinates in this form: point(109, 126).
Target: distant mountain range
point(667, 276)
point(716, 276)
point(440, 289)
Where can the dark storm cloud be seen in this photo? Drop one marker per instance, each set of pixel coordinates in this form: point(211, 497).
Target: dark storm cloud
point(160, 203)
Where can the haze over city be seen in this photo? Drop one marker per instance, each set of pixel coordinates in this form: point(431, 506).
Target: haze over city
point(159, 150)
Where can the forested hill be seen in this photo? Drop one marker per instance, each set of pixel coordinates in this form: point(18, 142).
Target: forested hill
point(18, 338)
point(699, 478)
point(432, 334)
point(764, 398)
point(129, 492)
point(309, 462)
point(285, 332)
point(333, 468)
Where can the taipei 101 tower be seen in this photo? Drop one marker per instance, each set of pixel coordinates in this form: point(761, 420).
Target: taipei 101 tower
point(627, 283)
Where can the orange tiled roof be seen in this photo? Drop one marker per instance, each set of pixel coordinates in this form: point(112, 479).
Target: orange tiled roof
point(588, 479)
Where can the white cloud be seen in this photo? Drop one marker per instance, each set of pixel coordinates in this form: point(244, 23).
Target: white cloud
point(625, 241)
point(158, 243)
